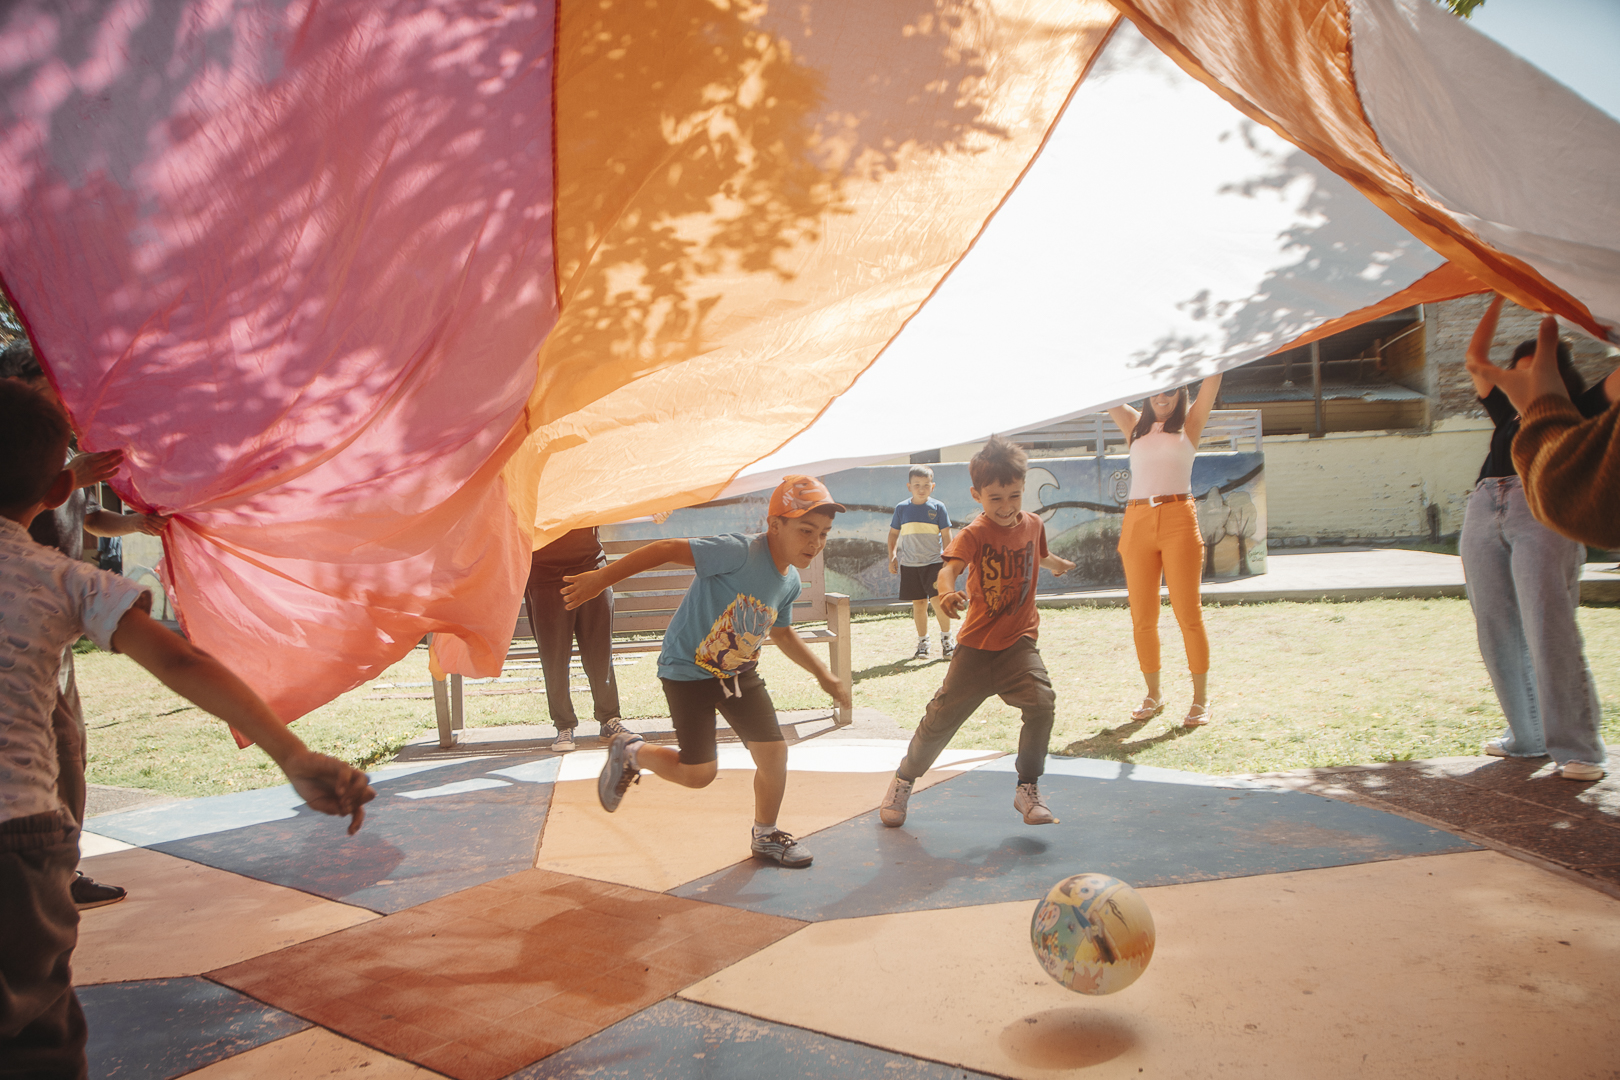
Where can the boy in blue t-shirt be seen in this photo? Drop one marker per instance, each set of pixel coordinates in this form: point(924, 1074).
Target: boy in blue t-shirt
point(918, 535)
point(744, 591)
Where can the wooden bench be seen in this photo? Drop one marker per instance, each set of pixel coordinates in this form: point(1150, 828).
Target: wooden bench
point(643, 605)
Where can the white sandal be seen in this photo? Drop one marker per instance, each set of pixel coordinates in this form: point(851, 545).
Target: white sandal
point(1151, 707)
point(1197, 716)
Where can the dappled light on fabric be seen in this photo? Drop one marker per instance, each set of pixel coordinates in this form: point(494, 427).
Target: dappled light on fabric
point(247, 257)
point(1299, 69)
point(750, 204)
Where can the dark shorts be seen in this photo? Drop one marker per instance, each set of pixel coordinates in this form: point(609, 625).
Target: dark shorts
point(692, 705)
point(920, 582)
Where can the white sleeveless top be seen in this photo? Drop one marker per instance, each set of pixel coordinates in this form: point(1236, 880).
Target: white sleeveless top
point(1161, 464)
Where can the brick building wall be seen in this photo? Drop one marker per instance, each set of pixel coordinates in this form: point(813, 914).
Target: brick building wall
point(1451, 324)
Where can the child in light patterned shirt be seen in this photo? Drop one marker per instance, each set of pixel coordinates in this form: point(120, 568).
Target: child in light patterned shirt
point(47, 601)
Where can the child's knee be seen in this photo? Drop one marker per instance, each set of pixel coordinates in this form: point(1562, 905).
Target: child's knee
point(700, 775)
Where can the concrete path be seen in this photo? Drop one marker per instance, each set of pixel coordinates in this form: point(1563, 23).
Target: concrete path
point(1351, 574)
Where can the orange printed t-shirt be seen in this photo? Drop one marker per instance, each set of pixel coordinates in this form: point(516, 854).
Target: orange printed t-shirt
point(1003, 563)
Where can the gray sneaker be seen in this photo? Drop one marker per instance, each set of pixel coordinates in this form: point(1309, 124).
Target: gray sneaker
point(1027, 801)
point(614, 726)
point(564, 742)
point(618, 774)
point(781, 848)
point(922, 649)
point(892, 810)
point(947, 647)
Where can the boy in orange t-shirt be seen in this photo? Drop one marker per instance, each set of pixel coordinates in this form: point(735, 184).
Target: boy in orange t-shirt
point(1003, 551)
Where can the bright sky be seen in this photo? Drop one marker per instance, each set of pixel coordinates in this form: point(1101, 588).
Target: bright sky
point(1577, 42)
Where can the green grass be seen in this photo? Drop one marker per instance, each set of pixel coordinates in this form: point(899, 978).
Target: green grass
point(1292, 685)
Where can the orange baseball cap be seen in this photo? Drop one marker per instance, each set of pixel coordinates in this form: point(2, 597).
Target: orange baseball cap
point(796, 496)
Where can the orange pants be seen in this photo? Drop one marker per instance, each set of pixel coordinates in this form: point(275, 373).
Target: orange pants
point(1164, 539)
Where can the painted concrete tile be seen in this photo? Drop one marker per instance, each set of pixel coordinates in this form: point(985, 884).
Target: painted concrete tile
point(169, 1027)
point(677, 1040)
point(964, 844)
point(1471, 964)
point(184, 818)
point(664, 835)
point(430, 832)
point(488, 980)
point(93, 844)
point(183, 918)
point(312, 1055)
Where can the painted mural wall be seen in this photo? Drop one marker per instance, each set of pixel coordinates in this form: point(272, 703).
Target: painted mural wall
point(1081, 499)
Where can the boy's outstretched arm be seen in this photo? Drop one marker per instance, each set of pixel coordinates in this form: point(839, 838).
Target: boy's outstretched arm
point(950, 597)
point(793, 647)
point(1057, 564)
point(327, 784)
point(581, 587)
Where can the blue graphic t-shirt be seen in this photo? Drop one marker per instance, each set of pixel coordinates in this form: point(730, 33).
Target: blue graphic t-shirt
point(729, 610)
point(919, 526)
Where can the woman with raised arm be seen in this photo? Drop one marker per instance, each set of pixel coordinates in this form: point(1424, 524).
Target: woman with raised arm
point(1524, 581)
point(1161, 536)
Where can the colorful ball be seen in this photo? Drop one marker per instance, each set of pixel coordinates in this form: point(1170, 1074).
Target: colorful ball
point(1093, 933)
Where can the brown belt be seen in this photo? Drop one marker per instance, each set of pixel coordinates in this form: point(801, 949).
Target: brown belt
point(1159, 500)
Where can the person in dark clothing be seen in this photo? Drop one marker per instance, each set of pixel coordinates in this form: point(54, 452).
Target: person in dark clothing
point(556, 628)
point(1523, 582)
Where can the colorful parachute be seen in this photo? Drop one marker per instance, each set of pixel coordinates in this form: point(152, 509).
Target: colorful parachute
point(378, 296)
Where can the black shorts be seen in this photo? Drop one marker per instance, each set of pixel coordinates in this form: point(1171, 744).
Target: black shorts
point(920, 582)
point(692, 705)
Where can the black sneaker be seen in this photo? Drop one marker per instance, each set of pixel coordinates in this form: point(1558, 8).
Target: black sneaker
point(618, 774)
point(781, 848)
point(88, 892)
point(614, 726)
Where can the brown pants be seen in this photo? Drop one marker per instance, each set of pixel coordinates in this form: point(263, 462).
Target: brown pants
point(1018, 676)
point(42, 1030)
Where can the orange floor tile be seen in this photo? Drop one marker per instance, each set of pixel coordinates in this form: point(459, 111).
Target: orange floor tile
point(485, 981)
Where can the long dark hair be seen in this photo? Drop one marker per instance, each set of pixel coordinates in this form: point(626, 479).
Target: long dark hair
point(1566, 364)
point(1172, 423)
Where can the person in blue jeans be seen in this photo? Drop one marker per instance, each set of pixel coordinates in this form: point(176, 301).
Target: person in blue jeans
point(1523, 582)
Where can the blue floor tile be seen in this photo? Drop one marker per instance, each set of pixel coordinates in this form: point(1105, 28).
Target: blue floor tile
point(677, 1040)
point(430, 832)
point(160, 1028)
point(963, 844)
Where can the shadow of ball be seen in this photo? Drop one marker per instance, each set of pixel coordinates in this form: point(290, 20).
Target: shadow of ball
point(1072, 1038)
point(1092, 934)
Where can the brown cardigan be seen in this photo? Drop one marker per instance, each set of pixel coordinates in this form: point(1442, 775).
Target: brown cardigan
point(1571, 469)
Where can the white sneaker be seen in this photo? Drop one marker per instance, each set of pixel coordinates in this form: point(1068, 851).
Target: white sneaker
point(1496, 747)
point(947, 647)
point(922, 649)
point(1027, 801)
point(892, 810)
point(1580, 770)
